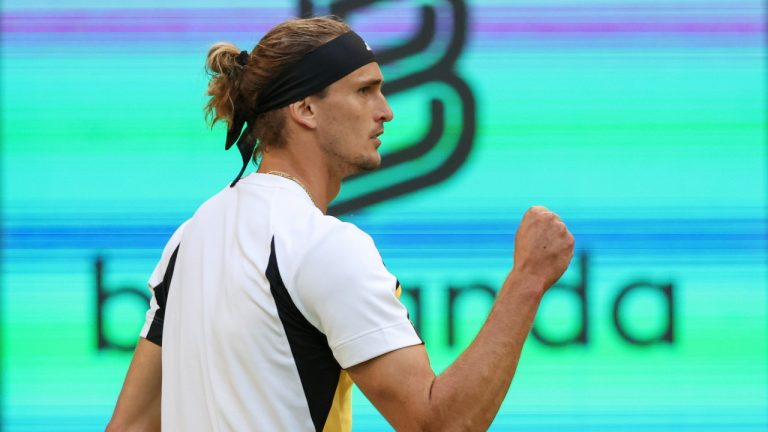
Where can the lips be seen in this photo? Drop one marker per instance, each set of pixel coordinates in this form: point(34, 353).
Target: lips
point(375, 137)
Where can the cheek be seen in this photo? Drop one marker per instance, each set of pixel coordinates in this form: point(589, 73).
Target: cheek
point(346, 123)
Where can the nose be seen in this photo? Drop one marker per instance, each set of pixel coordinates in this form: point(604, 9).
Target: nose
point(386, 113)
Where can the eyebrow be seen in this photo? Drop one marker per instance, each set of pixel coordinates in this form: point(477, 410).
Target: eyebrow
point(371, 81)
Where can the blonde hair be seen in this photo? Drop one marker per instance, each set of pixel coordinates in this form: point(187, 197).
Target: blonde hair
point(235, 88)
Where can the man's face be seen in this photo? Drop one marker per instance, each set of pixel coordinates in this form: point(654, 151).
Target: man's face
point(351, 116)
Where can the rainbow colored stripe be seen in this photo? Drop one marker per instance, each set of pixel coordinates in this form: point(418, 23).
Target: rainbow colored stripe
point(642, 124)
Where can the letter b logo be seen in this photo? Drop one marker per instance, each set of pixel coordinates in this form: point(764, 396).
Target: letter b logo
point(420, 73)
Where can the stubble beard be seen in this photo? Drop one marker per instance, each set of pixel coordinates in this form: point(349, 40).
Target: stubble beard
point(350, 165)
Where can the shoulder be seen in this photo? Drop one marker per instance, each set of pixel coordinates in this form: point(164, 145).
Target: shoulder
point(341, 242)
point(170, 248)
point(340, 258)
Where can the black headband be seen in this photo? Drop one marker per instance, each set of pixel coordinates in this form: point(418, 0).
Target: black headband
point(315, 71)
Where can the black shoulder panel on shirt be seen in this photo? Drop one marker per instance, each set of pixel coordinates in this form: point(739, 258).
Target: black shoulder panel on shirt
point(318, 369)
point(155, 333)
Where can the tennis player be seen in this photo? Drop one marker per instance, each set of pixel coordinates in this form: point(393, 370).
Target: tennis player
point(267, 309)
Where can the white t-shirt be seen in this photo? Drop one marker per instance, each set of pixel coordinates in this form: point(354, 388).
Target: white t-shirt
point(260, 301)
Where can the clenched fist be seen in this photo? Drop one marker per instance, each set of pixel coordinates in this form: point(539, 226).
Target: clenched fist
point(543, 246)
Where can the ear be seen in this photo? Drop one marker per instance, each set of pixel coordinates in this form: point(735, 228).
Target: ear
point(303, 113)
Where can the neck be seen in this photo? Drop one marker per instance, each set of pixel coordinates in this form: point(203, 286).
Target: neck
point(321, 184)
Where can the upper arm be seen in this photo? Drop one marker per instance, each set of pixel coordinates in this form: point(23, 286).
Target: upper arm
point(344, 290)
point(398, 384)
point(159, 283)
point(138, 406)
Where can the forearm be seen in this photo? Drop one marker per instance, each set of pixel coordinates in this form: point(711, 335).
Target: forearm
point(468, 394)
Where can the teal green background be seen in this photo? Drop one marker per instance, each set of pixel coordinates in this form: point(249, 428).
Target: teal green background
point(642, 124)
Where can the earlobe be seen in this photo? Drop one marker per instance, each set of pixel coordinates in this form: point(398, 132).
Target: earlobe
point(303, 113)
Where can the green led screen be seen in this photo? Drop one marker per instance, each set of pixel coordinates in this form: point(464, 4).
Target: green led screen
point(642, 123)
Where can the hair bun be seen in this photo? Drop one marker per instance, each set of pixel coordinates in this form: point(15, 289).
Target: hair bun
point(222, 59)
point(242, 58)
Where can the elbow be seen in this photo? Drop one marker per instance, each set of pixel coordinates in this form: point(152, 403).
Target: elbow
point(113, 426)
point(453, 422)
point(443, 426)
point(122, 426)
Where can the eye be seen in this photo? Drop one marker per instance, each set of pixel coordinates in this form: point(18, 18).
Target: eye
point(364, 90)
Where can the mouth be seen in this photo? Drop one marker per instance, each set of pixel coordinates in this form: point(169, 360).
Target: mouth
point(376, 135)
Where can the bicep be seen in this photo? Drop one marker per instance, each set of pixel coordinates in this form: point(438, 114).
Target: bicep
point(398, 384)
point(138, 406)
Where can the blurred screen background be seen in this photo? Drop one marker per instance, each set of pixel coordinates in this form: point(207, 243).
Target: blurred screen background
point(642, 123)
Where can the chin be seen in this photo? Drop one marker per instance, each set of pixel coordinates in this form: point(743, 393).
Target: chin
point(367, 163)
point(372, 163)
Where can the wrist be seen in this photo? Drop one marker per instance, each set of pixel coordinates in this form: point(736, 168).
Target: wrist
point(525, 283)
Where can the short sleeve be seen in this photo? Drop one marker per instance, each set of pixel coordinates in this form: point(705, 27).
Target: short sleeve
point(159, 283)
point(344, 290)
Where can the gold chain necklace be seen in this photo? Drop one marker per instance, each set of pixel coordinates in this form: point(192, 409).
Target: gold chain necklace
point(296, 180)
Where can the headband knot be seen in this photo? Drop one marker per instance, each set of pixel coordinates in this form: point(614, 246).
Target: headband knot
point(242, 58)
